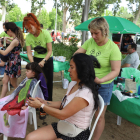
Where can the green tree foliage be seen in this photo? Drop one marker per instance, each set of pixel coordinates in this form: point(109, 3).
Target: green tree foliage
point(123, 12)
point(68, 5)
point(135, 12)
point(52, 15)
point(59, 20)
point(36, 5)
point(107, 13)
point(44, 18)
point(97, 7)
point(15, 14)
point(8, 4)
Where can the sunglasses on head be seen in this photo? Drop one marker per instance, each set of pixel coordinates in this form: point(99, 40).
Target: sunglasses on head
point(63, 102)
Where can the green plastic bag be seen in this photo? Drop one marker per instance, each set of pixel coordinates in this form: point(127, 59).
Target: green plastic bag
point(127, 72)
point(67, 75)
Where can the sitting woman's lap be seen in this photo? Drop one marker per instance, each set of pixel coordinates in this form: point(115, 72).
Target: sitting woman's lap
point(82, 136)
point(44, 133)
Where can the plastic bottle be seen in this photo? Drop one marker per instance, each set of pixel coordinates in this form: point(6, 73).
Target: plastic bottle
point(139, 90)
point(131, 77)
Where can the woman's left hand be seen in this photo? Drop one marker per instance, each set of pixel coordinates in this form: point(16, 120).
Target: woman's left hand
point(33, 102)
point(98, 81)
point(41, 64)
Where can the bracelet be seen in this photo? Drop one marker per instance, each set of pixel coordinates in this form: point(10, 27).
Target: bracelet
point(42, 106)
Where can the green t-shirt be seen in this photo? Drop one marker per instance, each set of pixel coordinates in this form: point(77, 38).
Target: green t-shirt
point(104, 55)
point(3, 34)
point(43, 38)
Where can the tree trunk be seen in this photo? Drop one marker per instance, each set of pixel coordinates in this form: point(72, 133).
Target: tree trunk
point(3, 13)
point(64, 18)
point(137, 16)
point(39, 12)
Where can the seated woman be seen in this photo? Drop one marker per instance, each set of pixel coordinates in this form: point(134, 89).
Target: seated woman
point(76, 108)
point(12, 105)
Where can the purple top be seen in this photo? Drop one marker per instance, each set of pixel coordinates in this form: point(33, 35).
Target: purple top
point(43, 86)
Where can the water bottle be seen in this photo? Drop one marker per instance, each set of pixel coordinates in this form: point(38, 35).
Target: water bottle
point(139, 90)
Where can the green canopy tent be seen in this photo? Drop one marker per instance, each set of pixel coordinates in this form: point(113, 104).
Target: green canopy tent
point(116, 25)
point(19, 24)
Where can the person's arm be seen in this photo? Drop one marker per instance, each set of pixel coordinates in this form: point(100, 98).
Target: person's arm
point(115, 69)
point(80, 50)
point(29, 53)
point(9, 48)
point(2, 63)
point(49, 52)
point(9, 38)
point(128, 60)
point(50, 103)
point(125, 65)
point(70, 109)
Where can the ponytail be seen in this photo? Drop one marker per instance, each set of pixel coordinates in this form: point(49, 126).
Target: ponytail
point(29, 20)
point(19, 35)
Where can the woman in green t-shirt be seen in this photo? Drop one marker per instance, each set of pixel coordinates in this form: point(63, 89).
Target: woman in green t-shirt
point(109, 57)
point(40, 40)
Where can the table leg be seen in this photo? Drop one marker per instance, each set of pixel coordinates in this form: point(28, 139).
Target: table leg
point(119, 120)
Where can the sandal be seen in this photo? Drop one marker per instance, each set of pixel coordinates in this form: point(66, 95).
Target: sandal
point(42, 114)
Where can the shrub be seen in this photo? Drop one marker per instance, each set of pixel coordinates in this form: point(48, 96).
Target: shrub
point(61, 49)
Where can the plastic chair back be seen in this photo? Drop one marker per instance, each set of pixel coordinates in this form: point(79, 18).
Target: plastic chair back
point(101, 107)
point(34, 91)
point(32, 112)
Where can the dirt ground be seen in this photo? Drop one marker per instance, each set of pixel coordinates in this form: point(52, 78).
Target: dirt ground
point(127, 130)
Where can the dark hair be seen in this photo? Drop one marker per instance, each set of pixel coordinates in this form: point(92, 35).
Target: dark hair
point(35, 68)
point(85, 65)
point(133, 46)
point(52, 33)
point(41, 25)
point(14, 28)
point(4, 23)
point(2, 42)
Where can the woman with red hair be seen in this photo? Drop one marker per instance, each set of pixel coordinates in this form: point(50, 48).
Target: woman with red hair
point(40, 40)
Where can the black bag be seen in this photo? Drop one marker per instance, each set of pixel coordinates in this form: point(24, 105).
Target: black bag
point(4, 58)
point(40, 50)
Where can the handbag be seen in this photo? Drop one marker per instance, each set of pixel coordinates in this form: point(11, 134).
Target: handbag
point(40, 50)
point(130, 85)
point(68, 129)
point(4, 58)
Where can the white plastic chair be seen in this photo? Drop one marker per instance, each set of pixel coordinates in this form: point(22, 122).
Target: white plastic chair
point(101, 107)
point(32, 111)
point(1, 76)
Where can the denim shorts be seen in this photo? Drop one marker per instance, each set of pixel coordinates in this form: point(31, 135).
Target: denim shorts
point(2, 69)
point(106, 92)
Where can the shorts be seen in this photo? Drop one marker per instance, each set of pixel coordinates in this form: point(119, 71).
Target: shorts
point(84, 135)
point(2, 69)
point(106, 92)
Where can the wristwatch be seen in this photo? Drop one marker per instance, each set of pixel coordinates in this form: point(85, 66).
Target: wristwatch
point(44, 60)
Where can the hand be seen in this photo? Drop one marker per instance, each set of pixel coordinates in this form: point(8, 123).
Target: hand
point(98, 81)
point(23, 107)
point(41, 100)
point(33, 102)
point(41, 64)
